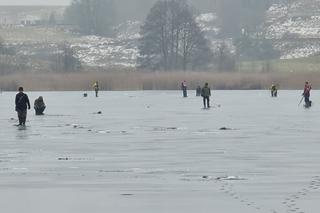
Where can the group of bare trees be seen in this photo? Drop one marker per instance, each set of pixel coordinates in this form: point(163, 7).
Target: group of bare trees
point(172, 40)
point(243, 21)
point(9, 62)
point(65, 59)
point(60, 58)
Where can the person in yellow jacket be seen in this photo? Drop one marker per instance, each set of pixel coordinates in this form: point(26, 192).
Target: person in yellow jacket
point(274, 90)
point(96, 88)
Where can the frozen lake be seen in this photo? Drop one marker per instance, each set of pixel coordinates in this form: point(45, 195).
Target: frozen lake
point(156, 152)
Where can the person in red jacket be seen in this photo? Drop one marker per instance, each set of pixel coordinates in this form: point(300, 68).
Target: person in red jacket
point(306, 94)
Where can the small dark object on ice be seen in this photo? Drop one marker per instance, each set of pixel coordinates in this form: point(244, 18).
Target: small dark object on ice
point(98, 113)
point(225, 128)
point(126, 194)
point(63, 158)
point(172, 128)
point(205, 177)
point(85, 95)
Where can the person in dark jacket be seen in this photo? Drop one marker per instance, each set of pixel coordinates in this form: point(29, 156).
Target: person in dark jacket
point(198, 91)
point(206, 93)
point(22, 103)
point(184, 89)
point(39, 106)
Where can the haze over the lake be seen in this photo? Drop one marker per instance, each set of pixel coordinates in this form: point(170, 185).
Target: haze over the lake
point(34, 2)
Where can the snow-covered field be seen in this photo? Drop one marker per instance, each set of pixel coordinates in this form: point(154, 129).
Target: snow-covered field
point(158, 152)
point(120, 51)
point(298, 19)
point(294, 24)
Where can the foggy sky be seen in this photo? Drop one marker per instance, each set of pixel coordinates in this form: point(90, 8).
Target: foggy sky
point(35, 2)
point(204, 4)
point(125, 9)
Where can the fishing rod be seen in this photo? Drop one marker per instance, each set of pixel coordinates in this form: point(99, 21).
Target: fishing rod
point(301, 101)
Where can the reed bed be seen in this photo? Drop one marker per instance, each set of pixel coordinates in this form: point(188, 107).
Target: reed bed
point(136, 80)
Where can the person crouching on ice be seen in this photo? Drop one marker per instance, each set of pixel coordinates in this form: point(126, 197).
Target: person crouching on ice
point(39, 106)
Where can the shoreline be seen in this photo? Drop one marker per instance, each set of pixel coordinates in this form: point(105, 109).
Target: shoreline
point(136, 80)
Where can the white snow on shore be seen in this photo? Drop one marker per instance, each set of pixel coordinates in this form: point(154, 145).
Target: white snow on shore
point(120, 50)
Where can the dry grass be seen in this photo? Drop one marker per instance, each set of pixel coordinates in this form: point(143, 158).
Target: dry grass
point(134, 80)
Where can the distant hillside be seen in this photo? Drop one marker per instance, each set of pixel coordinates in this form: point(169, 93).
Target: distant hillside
point(15, 15)
point(295, 27)
point(292, 26)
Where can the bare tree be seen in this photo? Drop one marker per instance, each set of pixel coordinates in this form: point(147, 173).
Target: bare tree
point(52, 19)
point(224, 59)
point(65, 59)
point(171, 39)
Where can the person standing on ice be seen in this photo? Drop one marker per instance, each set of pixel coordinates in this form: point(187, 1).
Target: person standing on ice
point(184, 89)
point(274, 90)
point(306, 94)
point(96, 88)
point(22, 103)
point(198, 91)
point(206, 93)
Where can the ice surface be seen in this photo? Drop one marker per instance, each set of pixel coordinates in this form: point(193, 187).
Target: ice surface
point(158, 152)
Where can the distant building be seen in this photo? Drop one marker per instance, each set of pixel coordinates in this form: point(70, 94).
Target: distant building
point(20, 16)
point(30, 20)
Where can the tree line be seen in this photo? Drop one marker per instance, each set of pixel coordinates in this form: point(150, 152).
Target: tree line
point(61, 58)
point(171, 39)
point(98, 16)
